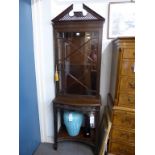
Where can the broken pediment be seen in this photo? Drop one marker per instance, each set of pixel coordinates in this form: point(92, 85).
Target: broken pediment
point(78, 15)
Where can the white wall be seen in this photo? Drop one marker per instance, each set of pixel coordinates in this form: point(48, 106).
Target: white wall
point(43, 51)
point(43, 11)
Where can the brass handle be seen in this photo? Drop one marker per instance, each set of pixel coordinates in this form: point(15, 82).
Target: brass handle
point(126, 119)
point(129, 99)
point(124, 135)
point(132, 67)
point(132, 85)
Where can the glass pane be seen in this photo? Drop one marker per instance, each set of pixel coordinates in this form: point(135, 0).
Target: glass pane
point(77, 62)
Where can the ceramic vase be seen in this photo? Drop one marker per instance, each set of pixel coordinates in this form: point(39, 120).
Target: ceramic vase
point(73, 122)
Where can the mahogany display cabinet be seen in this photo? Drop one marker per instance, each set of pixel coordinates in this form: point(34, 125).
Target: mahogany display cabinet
point(77, 52)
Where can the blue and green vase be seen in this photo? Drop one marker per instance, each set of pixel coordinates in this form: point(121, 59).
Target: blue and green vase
point(73, 122)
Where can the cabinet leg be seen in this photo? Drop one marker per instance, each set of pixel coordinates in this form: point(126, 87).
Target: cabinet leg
point(96, 134)
point(55, 146)
point(55, 127)
point(96, 151)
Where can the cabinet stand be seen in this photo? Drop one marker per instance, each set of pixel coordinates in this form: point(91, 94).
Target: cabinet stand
point(81, 104)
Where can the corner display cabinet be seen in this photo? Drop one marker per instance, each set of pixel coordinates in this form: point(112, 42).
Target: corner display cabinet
point(77, 45)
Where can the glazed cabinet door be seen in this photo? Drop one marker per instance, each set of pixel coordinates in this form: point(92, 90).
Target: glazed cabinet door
point(77, 62)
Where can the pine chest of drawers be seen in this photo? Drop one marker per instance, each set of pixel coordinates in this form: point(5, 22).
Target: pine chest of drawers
point(122, 97)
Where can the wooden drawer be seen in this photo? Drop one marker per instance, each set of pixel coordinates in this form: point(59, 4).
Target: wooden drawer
point(127, 67)
point(119, 148)
point(124, 119)
point(123, 135)
point(127, 85)
point(126, 100)
point(128, 53)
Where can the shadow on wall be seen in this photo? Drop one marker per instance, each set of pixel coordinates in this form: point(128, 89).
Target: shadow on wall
point(105, 74)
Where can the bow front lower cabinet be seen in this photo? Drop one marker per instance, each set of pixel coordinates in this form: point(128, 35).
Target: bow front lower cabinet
point(77, 52)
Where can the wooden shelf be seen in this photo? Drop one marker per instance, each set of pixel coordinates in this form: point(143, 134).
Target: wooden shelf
point(63, 136)
point(78, 100)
